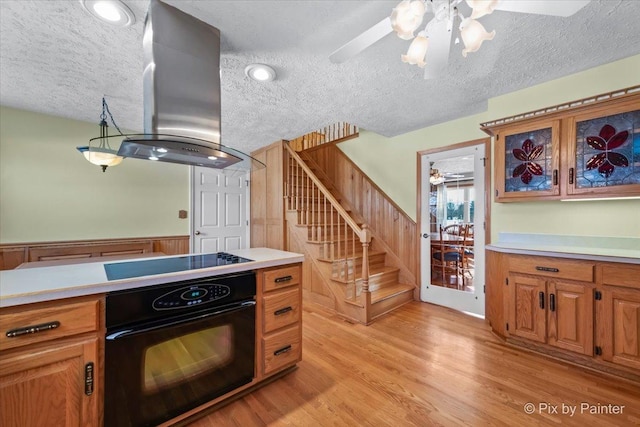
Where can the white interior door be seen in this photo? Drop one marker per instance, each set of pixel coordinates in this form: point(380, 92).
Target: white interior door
point(455, 195)
point(219, 210)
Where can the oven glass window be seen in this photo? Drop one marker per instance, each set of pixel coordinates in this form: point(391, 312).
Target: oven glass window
point(186, 357)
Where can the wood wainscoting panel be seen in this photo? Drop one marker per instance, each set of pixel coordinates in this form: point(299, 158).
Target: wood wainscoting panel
point(176, 245)
point(12, 255)
point(392, 229)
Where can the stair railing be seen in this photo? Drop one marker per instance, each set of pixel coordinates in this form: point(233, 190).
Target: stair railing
point(328, 223)
point(340, 131)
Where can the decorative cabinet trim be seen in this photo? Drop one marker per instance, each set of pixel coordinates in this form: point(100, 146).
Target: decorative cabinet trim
point(593, 150)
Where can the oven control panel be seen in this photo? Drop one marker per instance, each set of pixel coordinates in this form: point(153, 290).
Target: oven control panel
point(190, 296)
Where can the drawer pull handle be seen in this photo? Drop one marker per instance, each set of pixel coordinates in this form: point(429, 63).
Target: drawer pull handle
point(282, 311)
point(32, 329)
point(283, 279)
point(282, 350)
point(541, 300)
point(551, 269)
point(88, 379)
point(552, 302)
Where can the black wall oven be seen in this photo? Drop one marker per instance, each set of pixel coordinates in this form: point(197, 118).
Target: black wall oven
point(170, 348)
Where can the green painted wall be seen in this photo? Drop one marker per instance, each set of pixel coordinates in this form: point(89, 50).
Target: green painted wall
point(391, 162)
point(49, 192)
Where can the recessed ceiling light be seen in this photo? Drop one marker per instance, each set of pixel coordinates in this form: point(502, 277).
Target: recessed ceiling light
point(153, 158)
point(260, 72)
point(161, 150)
point(111, 11)
point(212, 158)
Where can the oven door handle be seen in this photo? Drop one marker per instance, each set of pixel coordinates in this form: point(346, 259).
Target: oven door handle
point(135, 331)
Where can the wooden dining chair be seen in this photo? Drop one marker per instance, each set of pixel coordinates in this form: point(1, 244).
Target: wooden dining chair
point(467, 264)
point(454, 229)
point(446, 258)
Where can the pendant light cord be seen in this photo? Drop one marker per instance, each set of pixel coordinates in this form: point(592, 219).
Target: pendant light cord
point(103, 116)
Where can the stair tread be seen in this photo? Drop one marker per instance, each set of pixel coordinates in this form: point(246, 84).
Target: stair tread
point(382, 270)
point(388, 291)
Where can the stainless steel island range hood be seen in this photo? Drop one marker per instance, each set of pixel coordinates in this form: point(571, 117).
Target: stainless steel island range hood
point(182, 94)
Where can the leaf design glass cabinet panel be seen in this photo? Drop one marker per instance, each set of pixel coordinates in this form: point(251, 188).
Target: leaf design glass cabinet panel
point(607, 151)
point(529, 161)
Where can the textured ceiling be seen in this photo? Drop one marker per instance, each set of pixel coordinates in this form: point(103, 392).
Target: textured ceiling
point(56, 59)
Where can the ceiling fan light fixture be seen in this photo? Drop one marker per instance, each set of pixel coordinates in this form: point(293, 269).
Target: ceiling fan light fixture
point(435, 177)
point(407, 17)
point(417, 50)
point(482, 7)
point(473, 34)
point(113, 12)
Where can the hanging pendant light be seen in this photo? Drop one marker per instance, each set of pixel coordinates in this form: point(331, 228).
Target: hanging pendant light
point(99, 152)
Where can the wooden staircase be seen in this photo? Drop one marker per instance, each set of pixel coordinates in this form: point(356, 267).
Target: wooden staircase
point(336, 242)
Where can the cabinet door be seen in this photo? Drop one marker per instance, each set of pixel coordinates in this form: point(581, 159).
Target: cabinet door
point(527, 161)
point(46, 387)
point(570, 316)
point(620, 326)
point(603, 147)
point(527, 314)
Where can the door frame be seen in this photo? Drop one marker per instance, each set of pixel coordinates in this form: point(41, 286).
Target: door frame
point(487, 196)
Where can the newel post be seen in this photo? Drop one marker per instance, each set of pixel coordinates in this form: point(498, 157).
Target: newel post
point(365, 239)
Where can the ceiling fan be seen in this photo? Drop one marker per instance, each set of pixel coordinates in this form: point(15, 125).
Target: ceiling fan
point(430, 47)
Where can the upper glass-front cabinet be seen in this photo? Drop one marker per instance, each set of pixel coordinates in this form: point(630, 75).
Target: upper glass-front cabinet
point(527, 161)
point(587, 148)
point(605, 152)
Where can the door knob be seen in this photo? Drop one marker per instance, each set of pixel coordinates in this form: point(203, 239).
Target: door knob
point(197, 233)
point(425, 235)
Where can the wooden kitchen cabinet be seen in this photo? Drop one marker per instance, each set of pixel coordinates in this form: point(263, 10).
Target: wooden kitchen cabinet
point(587, 148)
point(587, 312)
point(552, 311)
point(618, 315)
point(527, 161)
point(279, 318)
point(50, 377)
point(551, 301)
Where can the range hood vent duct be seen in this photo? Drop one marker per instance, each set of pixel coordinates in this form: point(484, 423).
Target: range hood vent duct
point(181, 84)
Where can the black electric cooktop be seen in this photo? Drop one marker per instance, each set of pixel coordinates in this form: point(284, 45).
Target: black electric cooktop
point(149, 267)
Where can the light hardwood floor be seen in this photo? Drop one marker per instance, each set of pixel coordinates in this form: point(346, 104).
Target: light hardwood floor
point(425, 365)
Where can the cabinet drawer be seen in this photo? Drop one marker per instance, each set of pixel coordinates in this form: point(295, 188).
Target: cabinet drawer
point(621, 275)
point(53, 321)
point(281, 349)
point(281, 309)
point(281, 278)
point(552, 267)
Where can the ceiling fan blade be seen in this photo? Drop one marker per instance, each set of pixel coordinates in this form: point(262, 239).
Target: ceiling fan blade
point(362, 42)
point(437, 58)
point(543, 7)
